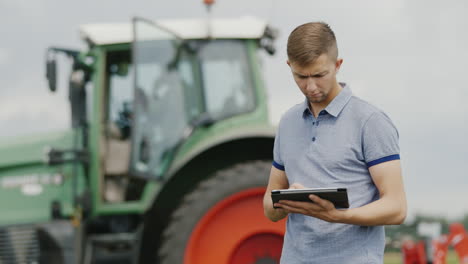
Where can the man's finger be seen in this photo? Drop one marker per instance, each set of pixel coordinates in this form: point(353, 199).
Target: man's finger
point(291, 209)
point(303, 205)
point(294, 203)
point(321, 202)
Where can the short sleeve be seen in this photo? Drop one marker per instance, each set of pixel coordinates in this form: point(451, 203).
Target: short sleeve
point(277, 161)
point(380, 140)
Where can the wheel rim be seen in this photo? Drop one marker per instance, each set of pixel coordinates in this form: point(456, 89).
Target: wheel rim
point(249, 250)
point(236, 231)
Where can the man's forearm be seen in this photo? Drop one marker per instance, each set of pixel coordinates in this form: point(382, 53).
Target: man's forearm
point(272, 213)
point(278, 180)
point(275, 214)
point(384, 211)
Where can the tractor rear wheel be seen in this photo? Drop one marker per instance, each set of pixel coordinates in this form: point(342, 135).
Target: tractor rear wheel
point(222, 221)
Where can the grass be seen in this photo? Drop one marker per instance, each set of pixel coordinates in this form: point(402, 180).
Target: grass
point(396, 258)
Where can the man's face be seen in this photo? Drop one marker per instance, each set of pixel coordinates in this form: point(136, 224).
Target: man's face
point(318, 80)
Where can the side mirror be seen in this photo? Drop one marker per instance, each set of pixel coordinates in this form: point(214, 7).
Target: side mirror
point(51, 64)
point(267, 40)
point(51, 74)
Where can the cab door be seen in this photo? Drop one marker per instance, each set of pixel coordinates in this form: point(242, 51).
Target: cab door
point(160, 116)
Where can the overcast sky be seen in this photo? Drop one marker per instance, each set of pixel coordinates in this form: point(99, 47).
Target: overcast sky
point(409, 58)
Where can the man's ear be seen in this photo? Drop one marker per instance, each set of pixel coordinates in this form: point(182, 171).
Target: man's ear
point(288, 63)
point(338, 64)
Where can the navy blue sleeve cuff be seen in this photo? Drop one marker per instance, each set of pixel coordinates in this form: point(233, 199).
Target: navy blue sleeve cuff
point(382, 160)
point(278, 166)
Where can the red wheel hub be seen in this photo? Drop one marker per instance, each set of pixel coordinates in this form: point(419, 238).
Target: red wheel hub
point(235, 231)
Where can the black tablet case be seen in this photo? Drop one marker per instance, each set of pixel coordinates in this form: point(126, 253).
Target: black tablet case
point(339, 196)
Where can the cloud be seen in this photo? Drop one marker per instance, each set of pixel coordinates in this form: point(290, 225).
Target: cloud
point(3, 56)
point(33, 115)
point(25, 109)
point(439, 202)
point(24, 6)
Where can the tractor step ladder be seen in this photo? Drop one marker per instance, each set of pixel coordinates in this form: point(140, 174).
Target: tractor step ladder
point(118, 248)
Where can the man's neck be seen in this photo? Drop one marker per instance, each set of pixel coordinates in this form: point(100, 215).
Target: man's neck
point(316, 108)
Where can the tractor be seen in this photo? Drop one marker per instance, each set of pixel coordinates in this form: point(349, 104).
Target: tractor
point(167, 156)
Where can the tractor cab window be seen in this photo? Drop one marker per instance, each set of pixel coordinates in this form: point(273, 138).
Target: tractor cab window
point(193, 92)
point(227, 80)
point(120, 94)
point(118, 117)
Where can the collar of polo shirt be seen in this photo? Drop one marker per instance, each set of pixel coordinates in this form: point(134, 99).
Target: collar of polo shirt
point(335, 106)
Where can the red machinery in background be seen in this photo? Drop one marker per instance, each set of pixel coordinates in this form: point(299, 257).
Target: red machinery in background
point(415, 253)
point(458, 239)
point(440, 246)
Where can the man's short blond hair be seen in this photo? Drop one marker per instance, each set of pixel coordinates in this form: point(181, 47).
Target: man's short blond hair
point(308, 41)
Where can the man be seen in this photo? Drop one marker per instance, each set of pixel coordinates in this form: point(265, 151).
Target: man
point(333, 139)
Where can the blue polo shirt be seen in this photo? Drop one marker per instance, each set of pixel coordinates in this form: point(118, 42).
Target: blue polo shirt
point(334, 150)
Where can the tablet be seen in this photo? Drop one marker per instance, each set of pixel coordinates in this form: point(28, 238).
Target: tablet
point(338, 196)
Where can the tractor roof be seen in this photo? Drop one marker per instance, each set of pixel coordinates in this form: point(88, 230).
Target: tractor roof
point(240, 28)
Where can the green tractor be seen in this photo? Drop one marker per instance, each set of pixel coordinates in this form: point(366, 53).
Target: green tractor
point(167, 157)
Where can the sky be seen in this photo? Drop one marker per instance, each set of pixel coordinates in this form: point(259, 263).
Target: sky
point(408, 58)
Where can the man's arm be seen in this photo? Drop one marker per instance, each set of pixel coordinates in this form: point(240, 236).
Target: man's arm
point(389, 209)
point(278, 180)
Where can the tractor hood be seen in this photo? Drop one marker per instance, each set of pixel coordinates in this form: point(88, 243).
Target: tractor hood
point(32, 149)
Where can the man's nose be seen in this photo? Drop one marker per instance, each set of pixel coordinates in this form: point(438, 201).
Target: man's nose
point(311, 85)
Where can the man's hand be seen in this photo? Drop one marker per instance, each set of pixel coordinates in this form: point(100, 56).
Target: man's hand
point(320, 208)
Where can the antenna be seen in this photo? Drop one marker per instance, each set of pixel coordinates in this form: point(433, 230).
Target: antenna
point(208, 4)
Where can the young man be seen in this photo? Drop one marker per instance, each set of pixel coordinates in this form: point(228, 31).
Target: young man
point(333, 139)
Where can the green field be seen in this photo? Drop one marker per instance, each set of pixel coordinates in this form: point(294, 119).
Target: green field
point(395, 258)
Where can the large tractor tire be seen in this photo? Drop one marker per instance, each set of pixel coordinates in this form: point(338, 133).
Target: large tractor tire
point(222, 221)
